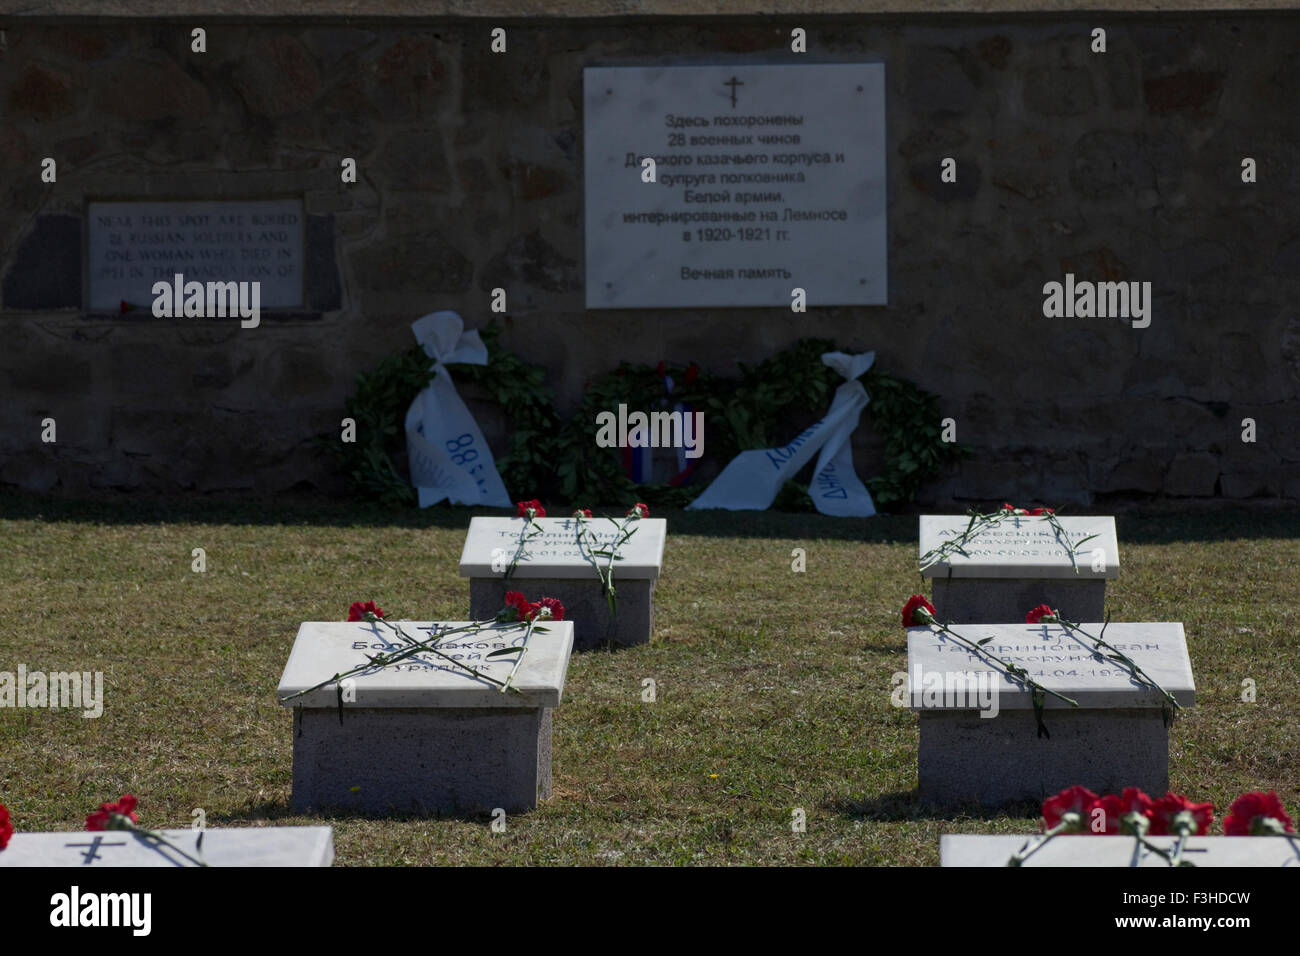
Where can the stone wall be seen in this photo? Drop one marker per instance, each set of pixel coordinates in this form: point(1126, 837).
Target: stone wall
point(1124, 165)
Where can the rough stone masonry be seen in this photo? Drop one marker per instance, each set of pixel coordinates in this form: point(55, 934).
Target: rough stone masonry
point(1123, 166)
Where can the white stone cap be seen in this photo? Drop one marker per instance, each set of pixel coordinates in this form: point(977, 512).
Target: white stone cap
point(222, 846)
point(555, 553)
point(1055, 659)
point(1091, 849)
point(325, 648)
point(1022, 547)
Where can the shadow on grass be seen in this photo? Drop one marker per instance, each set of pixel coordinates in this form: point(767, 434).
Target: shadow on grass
point(907, 805)
point(275, 810)
point(318, 511)
point(312, 509)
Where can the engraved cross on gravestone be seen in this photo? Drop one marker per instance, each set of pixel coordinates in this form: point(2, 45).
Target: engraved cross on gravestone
point(91, 854)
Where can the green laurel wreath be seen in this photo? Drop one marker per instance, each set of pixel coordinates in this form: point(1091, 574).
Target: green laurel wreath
point(557, 460)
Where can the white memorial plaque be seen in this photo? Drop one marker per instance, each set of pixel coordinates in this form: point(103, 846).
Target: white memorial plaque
point(1056, 659)
point(1024, 547)
point(222, 846)
point(132, 245)
point(325, 648)
point(492, 543)
point(1090, 849)
point(768, 178)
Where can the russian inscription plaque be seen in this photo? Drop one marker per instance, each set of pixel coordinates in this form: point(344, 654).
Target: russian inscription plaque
point(767, 178)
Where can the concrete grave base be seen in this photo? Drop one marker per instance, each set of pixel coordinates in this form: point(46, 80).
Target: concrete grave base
point(584, 604)
point(426, 760)
point(1006, 600)
point(964, 757)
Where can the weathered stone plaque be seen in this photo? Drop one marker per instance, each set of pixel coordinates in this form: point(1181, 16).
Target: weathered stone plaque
point(768, 178)
point(132, 245)
point(223, 846)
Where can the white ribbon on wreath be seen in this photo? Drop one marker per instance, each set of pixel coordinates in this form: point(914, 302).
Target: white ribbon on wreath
point(751, 480)
point(449, 457)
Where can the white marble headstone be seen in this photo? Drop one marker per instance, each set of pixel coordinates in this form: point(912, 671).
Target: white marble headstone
point(222, 846)
point(325, 648)
point(967, 849)
point(492, 543)
point(1055, 659)
point(1024, 547)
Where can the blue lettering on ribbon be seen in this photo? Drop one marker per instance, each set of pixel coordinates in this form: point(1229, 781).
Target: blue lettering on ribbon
point(788, 451)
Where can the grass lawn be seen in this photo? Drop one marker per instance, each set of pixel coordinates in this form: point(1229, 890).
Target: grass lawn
point(773, 686)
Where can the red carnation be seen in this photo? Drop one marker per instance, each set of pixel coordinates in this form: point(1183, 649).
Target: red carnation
point(639, 510)
point(1039, 512)
point(6, 828)
point(530, 509)
point(1257, 814)
point(554, 609)
point(103, 818)
point(1007, 506)
point(358, 610)
point(516, 602)
point(692, 373)
point(582, 513)
point(1040, 614)
point(1116, 809)
point(1172, 812)
point(1076, 799)
point(915, 603)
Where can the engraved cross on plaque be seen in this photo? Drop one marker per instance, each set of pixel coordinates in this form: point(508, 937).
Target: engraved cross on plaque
point(92, 854)
point(733, 83)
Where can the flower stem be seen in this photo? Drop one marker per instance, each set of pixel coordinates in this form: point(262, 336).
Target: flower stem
point(978, 524)
point(430, 646)
point(1119, 657)
point(586, 540)
point(118, 821)
point(1012, 670)
point(530, 530)
point(520, 659)
point(1037, 843)
point(412, 648)
point(1064, 539)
